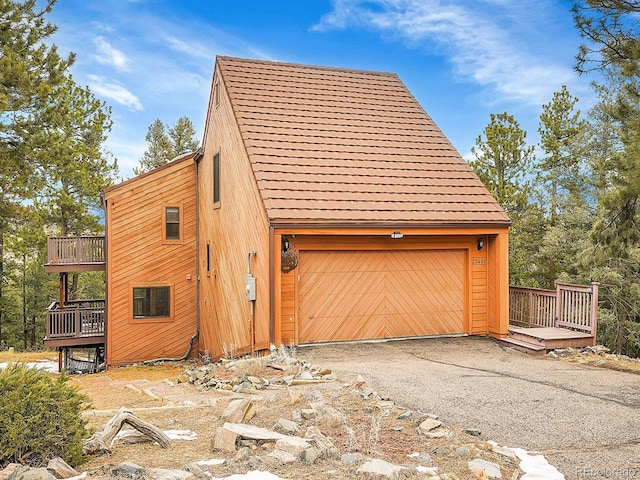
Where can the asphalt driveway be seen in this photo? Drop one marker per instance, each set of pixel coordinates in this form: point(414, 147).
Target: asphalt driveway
point(585, 420)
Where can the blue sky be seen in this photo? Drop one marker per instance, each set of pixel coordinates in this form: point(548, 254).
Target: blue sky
point(461, 59)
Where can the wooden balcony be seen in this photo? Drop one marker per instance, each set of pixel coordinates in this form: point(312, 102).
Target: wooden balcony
point(77, 324)
point(541, 320)
point(75, 254)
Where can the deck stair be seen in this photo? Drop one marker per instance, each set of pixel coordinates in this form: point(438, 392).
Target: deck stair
point(538, 340)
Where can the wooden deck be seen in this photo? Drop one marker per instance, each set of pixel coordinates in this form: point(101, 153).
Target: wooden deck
point(77, 324)
point(75, 254)
point(542, 320)
point(537, 340)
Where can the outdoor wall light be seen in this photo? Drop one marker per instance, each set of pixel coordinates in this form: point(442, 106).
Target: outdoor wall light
point(480, 243)
point(397, 235)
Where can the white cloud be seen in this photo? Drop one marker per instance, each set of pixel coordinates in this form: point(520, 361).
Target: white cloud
point(480, 48)
point(188, 47)
point(108, 55)
point(114, 91)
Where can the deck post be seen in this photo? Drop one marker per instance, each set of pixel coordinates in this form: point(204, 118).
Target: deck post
point(559, 305)
point(531, 309)
point(595, 286)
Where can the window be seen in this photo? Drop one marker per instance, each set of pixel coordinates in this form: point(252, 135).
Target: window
point(152, 302)
point(208, 258)
point(216, 178)
point(216, 93)
point(172, 223)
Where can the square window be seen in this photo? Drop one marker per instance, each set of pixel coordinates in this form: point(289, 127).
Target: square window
point(152, 302)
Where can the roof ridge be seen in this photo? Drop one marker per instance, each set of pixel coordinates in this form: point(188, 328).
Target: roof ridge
point(304, 66)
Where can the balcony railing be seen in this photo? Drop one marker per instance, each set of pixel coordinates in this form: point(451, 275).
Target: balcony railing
point(569, 306)
point(75, 320)
point(75, 250)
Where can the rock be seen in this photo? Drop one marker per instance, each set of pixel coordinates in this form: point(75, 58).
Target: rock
point(440, 433)
point(196, 470)
point(461, 452)
point(308, 413)
point(429, 424)
point(423, 457)
point(283, 457)
point(325, 448)
point(238, 411)
point(286, 426)
point(8, 470)
point(243, 454)
point(225, 440)
point(407, 415)
point(26, 473)
point(59, 468)
point(251, 432)
point(490, 469)
point(351, 458)
point(473, 432)
point(380, 469)
point(293, 445)
point(168, 474)
point(505, 452)
point(367, 392)
point(127, 470)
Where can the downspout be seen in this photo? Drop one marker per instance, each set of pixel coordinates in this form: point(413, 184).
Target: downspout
point(197, 157)
point(106, 278)
point(272, 292)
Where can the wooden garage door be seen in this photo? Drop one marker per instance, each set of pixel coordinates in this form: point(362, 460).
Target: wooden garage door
point(348, 295)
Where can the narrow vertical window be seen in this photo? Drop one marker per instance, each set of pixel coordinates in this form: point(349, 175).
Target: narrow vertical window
point(172, 223)
point(216, 178)
point(208, 257)
point(216, 93)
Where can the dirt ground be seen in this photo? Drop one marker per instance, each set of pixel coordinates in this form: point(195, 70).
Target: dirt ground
point(366, 426)
point(354, 424)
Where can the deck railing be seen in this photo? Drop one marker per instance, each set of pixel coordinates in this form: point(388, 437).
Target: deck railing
point(75, 250)
point(568, 306)
point(78, 319)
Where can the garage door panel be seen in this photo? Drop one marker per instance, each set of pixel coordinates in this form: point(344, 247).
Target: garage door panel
point(380, 294)
point(361, 321)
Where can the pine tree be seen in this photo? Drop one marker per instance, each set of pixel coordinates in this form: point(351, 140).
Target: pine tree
point(503, 161)
point(30, 70)
point(164, 146)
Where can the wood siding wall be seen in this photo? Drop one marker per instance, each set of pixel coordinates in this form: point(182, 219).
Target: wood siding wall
point(479, 288)
point(288, 313)
point(482, 299)
point(138, 255)
point(232, 228)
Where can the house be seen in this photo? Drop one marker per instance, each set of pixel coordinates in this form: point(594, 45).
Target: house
point(324, 205)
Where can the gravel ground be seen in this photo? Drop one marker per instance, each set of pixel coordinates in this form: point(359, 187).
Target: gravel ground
point(585, 420)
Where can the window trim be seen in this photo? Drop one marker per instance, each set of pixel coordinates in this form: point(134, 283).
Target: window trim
point(180, 208)
point(172, 302)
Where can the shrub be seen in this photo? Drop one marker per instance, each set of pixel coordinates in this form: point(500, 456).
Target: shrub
point(39, 417)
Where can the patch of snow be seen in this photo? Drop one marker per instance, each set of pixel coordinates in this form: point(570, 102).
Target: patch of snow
point(46, 365)
point(534, 465)
point(429, 470)
point(181, 434)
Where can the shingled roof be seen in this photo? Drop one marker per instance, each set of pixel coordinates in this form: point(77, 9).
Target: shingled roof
point(330, 145)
